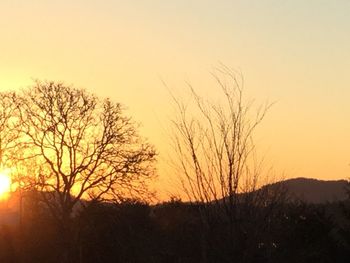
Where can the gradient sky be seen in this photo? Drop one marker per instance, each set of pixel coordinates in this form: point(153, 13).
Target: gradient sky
point(296, 53)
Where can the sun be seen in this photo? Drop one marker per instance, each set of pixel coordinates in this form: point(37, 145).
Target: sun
point(5, 183)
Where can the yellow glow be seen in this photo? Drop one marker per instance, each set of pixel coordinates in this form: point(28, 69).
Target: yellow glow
point(5, 183)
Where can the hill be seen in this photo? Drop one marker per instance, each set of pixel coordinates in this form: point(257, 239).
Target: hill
point(313, 190)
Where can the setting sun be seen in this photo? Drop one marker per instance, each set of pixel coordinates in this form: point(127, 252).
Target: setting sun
point(5, 183)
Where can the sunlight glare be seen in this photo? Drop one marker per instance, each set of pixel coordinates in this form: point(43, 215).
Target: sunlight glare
point(5, 183)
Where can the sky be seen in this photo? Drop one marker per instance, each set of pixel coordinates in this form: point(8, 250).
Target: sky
point(293, 53)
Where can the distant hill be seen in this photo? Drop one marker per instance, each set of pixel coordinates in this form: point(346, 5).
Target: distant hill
point(313, 190)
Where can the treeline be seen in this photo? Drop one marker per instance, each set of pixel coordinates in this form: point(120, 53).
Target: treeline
point(134, 231)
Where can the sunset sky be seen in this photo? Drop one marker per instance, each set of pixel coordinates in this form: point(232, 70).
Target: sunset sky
point(294, 53)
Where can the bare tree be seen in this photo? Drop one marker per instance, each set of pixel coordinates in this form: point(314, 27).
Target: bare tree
point(215, 152)
point(78, 146)
point(214, 141)
point(84, 147)
point(9, 132)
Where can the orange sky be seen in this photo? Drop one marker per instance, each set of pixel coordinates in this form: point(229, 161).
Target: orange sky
point(291, 52)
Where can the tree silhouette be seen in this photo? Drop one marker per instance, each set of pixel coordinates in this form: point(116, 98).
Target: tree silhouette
point(9, 132)
point(78, 146)
point(216, 157)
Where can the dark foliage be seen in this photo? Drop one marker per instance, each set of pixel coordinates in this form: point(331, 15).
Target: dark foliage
point(133, 231)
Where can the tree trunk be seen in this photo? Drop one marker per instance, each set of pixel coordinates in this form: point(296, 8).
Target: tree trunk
point(65, 237)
